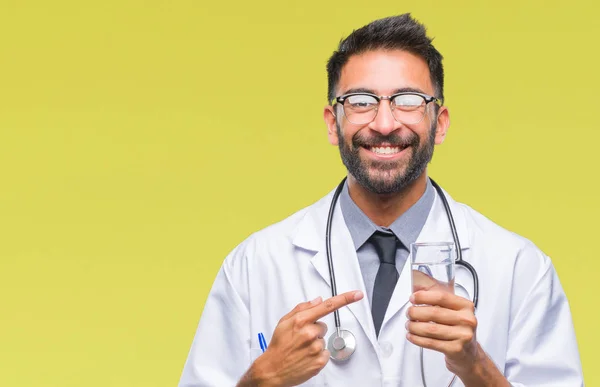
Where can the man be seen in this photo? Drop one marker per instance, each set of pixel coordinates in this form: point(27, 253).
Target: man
point(386, 115)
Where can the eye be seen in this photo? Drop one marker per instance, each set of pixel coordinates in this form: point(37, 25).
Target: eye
point(408, 101)
point(361, 102)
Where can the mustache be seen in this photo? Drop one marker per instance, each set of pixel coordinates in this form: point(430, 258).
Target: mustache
point(393, 139)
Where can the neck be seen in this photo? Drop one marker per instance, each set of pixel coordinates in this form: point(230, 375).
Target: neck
point(384, 209)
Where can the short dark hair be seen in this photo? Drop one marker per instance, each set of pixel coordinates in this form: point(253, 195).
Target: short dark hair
point(400, 32)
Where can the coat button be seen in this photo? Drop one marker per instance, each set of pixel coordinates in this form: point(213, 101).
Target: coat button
point(386, 349)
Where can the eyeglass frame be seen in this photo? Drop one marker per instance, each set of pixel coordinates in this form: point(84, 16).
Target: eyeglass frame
point(426, 97)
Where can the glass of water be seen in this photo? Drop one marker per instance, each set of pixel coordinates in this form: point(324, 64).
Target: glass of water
point(432, 266)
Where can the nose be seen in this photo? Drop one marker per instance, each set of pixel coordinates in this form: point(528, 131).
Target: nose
point(384, 122)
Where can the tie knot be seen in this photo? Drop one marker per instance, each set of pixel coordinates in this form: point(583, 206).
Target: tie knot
point(385, 245)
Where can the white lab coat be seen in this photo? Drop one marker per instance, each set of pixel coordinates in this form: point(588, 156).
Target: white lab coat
point(524, 321)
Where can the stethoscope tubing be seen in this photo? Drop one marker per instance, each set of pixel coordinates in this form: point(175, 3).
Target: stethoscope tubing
point(459, 258)
point(458, 261)
point(336, 313)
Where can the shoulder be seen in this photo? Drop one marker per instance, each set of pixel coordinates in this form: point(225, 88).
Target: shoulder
point(507, 263)
point(502, 244)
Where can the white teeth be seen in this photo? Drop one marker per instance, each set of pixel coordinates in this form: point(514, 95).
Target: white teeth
point(385, 150)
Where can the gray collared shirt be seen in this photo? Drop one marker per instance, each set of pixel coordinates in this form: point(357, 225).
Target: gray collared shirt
point(407, 228)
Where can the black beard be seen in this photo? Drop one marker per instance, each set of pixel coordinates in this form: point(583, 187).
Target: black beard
point(421, 156)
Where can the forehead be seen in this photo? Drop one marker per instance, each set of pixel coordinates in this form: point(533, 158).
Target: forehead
point(384, 71)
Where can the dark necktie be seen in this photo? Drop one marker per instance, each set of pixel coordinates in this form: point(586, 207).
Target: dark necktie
point(387, 275)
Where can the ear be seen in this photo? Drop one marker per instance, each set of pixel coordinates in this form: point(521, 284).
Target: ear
point(443, 123)
point(330, 120)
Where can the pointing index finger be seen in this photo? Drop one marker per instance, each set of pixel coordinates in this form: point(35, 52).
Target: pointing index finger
point(331, 304)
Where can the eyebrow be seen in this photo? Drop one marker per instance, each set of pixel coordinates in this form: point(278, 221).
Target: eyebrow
point(370, 91)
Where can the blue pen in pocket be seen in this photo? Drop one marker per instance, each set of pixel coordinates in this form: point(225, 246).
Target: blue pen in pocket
point(262, 342)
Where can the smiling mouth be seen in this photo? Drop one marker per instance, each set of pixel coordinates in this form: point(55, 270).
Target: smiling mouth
point(385, 150)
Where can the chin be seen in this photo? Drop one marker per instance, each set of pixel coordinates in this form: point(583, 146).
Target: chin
point(381, 185)
point(388, 182)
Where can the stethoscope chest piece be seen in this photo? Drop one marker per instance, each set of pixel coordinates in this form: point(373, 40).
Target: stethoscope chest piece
point(341, 345)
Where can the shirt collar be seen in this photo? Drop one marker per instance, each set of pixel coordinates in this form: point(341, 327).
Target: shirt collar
point(406, 227)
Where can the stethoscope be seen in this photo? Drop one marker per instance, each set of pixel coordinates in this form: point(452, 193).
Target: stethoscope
point(342, 343)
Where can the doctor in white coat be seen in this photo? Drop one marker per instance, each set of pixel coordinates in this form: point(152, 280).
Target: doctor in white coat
point(277, 281)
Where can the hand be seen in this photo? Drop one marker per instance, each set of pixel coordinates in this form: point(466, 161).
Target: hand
point(422, 281)
point(297, 350)
point(446, 323)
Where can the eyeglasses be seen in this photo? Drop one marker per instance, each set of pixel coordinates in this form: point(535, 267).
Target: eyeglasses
point(407, 107)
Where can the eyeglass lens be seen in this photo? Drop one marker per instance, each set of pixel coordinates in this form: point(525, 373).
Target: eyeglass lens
point(406, 108)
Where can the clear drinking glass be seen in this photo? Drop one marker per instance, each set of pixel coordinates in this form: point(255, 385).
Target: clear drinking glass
point(432, 266)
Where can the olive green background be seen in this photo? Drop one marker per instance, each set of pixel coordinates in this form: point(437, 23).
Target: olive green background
point(140, 141)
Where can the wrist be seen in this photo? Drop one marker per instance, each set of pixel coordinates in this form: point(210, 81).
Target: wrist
point(259, 375)
point(482, 372)
point(474, 375)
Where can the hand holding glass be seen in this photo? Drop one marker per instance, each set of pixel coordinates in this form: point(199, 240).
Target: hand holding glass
point(432, 266)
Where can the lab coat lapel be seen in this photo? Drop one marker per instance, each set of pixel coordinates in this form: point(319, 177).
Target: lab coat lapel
point(348, 277)
point(347, 271)
point(403, 287)
point(436, 229)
